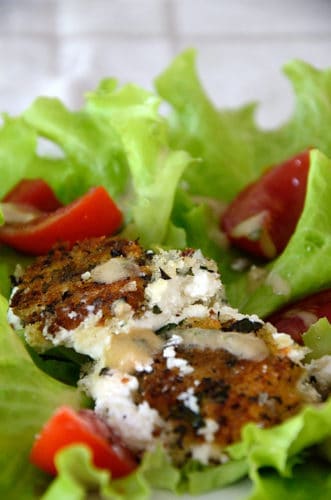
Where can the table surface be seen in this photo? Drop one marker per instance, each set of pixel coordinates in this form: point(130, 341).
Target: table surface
point(64, 47)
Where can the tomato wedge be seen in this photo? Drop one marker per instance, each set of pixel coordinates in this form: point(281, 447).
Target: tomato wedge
point(67, 427)
point(296, 318)
point(34, 192)
point(262, 218)
point(94, 214)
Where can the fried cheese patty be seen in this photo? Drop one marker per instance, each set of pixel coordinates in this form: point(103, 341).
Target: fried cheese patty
point(172, 362)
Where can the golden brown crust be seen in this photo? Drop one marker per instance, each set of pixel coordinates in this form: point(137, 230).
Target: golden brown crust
point(228, 390)
point(53, 287)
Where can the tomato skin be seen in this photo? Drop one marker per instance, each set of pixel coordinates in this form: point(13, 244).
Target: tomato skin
point(296, 318)
point(94, 214)
point(277, 200)
point(34, 192)
point(67, 427)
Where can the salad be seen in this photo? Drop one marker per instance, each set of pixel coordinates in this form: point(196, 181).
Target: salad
point(169, 179)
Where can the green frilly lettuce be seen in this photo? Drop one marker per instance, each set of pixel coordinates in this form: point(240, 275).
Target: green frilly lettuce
point(27, 398)
point(233, 150)
point(318, 339)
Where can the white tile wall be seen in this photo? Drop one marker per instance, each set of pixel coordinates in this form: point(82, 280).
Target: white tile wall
point(27, 17)
point(84, 62)
point(109, 17)
point(27, 68)
point(268, 18)
point(63, 47)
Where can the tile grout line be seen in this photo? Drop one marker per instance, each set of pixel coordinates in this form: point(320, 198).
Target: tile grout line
point(171, 25)
point(174, 37)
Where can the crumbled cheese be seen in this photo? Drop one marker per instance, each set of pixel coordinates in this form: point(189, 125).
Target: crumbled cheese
point(129, 287)
point(173, 362)
point(123, 317)
point(122, 310)
point(209, 431)
point(282, 340)
point(181, 286)
point(72, 314)
point(321, 369)
point(183, 366)
point(202, 285)
point(285, 342)
point(93, 344)
point(206, 452)
point(13, 319)
point(263, 398)
point(174, 340)
point(228, 313)
point(202, 452)
point(146, 367)
point(189, 400)
point(86, 276)
point(113, 393)
point(169, 352)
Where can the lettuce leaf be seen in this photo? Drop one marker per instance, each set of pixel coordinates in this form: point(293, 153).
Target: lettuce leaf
point(27, 398)
point(18, 143)
point(232, 149)
point(9, 259)
point(309, 480)
point(91, 146)
point(202, 231)
point(226, 155)
point(274, 454)
point(78, 477)
point(318, 339)
point(154, 167)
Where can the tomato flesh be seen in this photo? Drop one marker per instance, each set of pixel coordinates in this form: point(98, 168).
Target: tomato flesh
point(296, 318)
point(34, 192)
point(262, 218)
point(67, 427)
point(94, 214)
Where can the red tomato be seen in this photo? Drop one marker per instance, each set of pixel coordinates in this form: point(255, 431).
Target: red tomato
point(34, 192)
point(296, 318)
point(94, 214)
point(262, 218)
point(67, 427)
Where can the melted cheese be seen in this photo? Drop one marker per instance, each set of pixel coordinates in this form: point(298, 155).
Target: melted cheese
point(242, 345)
point(133, 350)
point(115, 269)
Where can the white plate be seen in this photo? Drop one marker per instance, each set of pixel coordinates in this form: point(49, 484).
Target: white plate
point(238, 491)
